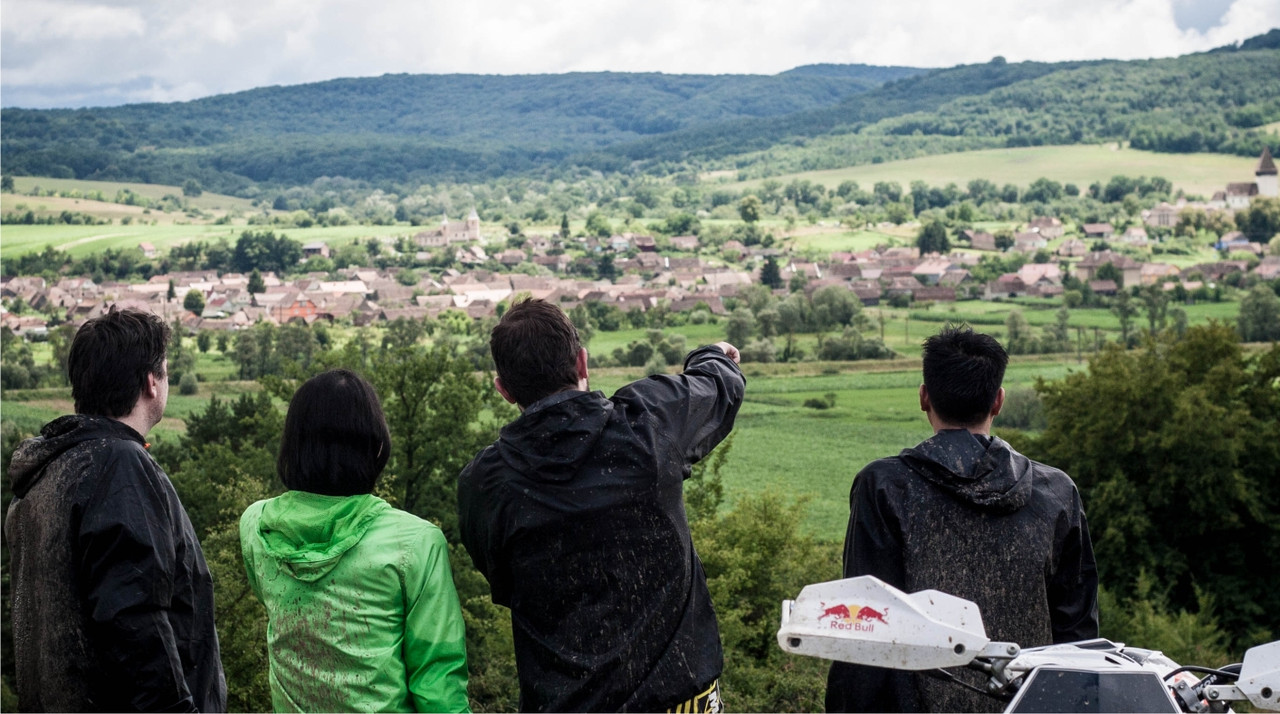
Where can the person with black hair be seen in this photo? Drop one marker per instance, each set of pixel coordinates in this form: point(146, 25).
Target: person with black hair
point(576, 518)
point(112, 598)
point(362, 610)
point(966, 514)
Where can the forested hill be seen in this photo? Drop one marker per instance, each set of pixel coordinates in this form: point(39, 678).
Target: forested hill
point(406, 129)
point(452, 120)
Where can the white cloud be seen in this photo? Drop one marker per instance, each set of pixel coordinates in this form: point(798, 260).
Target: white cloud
point(56, 51)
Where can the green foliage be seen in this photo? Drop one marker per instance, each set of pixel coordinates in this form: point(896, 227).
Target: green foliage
point(1260, 315)
point(193, 301)
point(755, 556)
point(1179, 477)
point(1146, 620)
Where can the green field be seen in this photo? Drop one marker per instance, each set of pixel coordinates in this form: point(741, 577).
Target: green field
point(206, 201)
point(1197, 174)
point(83, 240)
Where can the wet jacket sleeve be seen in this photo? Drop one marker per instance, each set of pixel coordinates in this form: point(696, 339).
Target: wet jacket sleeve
point(696, 408)
point(127, 554)
point(435, 648)
point(872, 546)
point(873, 540)
point(1073, 586)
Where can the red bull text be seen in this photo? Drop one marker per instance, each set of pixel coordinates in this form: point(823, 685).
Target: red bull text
point(853, 617)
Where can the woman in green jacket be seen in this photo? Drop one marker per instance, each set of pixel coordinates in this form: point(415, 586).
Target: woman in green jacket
point(363, 615)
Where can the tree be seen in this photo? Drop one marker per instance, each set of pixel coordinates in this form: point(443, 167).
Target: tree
point(1260, 315)
point(192, 188)
point(256, 283)
point(598, 225)
point(1155, 301)
point(1179, 478)
point(173, 292)
point(770, 274)
point(6, 183)
point(1018, 338)
point(1261, 220)
point(749, 208)
point(1109, 271)
point(564, 225)
point(835, 305)
point(1124, 310)
point(933, 238)
point(193, 301)
point(740, 327)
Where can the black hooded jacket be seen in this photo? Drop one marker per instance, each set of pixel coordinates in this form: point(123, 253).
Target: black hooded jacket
point(576, 517)
point(112, 599)
point(969, 516)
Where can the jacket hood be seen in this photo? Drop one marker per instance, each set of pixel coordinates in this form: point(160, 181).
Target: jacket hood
point(549, 443)
point(990, 477)
point(308, 533)
point(29, 459)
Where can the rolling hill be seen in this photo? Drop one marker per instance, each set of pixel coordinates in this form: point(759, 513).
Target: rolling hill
point(399, 130)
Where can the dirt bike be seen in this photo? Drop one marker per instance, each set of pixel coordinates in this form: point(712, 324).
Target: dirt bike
point(865, 621)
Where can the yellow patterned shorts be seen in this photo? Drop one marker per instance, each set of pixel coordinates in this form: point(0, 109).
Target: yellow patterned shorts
point(708, 702)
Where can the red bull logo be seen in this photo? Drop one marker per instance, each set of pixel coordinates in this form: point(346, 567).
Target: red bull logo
point(861, 618)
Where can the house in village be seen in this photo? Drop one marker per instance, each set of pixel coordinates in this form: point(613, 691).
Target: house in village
point(1047, 226)
point(1029, 242)
point(1100, 231)
point(1158, 273)
point(1073, 248)
point(449, 233)
point(979, 240)
point(688, 244)
point(1130, 269)
point(315, 249)
point(1162, 216)
point(1264, 185)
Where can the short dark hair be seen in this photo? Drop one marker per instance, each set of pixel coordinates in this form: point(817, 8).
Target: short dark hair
point(963, 371)
point(535, 348)
point(335, 439)
point(110, 358)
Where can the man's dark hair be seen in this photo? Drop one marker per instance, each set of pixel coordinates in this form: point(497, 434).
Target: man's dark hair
point(335, 439)
point(535, 348)
point(110, 359)
point(963, 371)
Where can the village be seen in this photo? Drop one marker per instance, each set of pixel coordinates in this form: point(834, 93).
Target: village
point(677, 272)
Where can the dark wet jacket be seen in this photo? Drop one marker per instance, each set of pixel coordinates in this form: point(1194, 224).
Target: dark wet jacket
point(980, 521)
point(576, 517)
point(112, 600)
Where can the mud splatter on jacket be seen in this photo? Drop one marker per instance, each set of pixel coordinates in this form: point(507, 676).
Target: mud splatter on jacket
point(576, 517)
point(974, 518)
point(112, 599)
point(362, 611)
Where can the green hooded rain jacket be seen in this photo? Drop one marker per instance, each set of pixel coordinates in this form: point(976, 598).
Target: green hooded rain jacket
point(363, 614)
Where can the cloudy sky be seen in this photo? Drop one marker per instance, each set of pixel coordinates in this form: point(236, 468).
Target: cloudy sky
point(74, 53)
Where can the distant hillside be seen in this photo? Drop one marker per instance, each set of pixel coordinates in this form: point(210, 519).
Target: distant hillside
point(405, 130)
point(404, 124)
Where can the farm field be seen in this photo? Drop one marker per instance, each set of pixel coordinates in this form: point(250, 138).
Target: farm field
point(1196, 174)
point(778, 443)
point(83, 240)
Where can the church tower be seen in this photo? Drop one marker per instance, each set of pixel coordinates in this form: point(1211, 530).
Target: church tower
point(1266, 175)
point(473, 219)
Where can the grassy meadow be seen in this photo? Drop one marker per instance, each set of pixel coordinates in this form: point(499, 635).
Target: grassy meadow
point(1196, 174)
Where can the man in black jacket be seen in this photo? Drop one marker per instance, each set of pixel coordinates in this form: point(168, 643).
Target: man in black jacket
point(112, 600)
point(965, 514)
point(576, 517)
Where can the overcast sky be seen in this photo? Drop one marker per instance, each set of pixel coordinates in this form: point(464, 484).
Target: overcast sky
point(74, 53)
